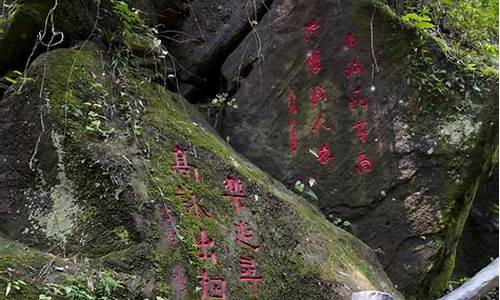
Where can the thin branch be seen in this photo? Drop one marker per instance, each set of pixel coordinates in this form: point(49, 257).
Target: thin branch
point(371, 36)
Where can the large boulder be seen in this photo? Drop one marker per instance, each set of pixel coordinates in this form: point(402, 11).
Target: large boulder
point(329, 92)
point(96, 167)
point(205, 36)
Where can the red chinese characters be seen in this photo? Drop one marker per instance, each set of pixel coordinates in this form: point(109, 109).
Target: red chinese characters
point(192, 203)
point(248, 272)
point(169, 224)
point(325, 155)
point(311, 30)
point(212, 287)
point(313, 60)
point(318, 95)
point(352, 68)
point(195, 207)
point(358, 100)
point(292, 111)
point(244, 235)
point(234, 191)
point(360, 130)
point(292, 104)
point(181, 166)
point(319, 123)
point(179, 282)
point(364, 164)
point(204, 245)
point(350, 42)
point(293, 137)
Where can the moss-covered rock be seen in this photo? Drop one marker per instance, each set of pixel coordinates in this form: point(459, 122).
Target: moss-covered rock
point(89, 172)
point(403, 127)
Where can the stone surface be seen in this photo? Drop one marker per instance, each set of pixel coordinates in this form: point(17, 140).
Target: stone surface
point(371, 295)
point(208, 33)
point(410, 208)
point(479, 241)
point(116, 198)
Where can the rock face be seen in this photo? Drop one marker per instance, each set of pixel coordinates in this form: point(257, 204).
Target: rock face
point(319, 99)
point(207, 34)
point(96, 166)
point(478, 243)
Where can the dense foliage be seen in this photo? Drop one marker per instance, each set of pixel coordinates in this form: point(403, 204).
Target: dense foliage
point(466, 29)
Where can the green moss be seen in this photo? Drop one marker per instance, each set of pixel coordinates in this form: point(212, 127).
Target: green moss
point(123, 177)
point(483, 159)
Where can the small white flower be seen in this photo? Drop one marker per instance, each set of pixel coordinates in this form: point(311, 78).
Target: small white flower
point(312, 182)
point(372, 88)
point(156, 43)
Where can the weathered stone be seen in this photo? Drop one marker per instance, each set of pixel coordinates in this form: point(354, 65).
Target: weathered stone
point(411, 206)
point(119, 181)
point(204, 39)
point(371, 295)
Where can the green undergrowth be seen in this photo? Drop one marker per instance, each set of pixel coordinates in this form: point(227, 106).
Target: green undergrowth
point(26, 273)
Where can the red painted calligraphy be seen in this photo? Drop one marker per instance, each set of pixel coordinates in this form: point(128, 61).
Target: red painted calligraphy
point(293, 137)
point(244, 235)
point(179, 282)
point(358, 100)
point(353, 68)
point(350, 42)
point(195, 207)
point(292, 104)
point(204, 244)
point(313, 60)
point(325, 155)
point(234, 191)
point(311, 30)
point(193, 204)
point(181, 163)
point(360, 130)
point(212, 287)
point(170, 232)
point(181, 166)
point(364, 164)
point(248, 272)
point(292, 110)
point(318, 95)
point(319, 123)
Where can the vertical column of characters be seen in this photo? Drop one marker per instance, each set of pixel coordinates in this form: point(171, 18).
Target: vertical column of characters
point(211, 287)
point(356, 102)
point(244, 234)
point(317, 92)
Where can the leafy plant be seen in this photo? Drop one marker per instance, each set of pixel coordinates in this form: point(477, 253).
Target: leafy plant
point(128, 19)
point(217, 104)
point(344, 224)
point(304, 191)
point(466, 30)
point(420, 21)
point(97, 286)
point(12, 285)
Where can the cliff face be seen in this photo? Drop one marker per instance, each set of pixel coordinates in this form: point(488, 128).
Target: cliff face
point(332, 92)
point(93, 165)
point(99, 159)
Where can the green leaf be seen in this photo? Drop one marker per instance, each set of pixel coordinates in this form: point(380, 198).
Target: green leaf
point(424, 25)
point(311, 194)
point(11, 80)
point(299, 186)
